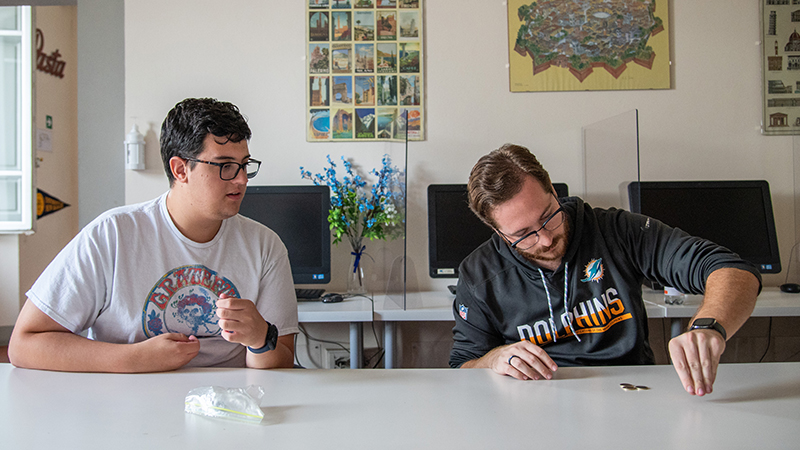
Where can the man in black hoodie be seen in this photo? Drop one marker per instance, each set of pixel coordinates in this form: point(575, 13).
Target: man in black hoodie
point(559, 283)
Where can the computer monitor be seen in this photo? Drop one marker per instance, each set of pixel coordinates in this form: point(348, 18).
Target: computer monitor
point(299, 215)
point(454, 231)
point(734, 214)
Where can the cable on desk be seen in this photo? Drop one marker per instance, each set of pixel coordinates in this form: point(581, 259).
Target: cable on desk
point(380, 353)
point(309, 337)
point(297, 352)
point(375, 334)
point(359, 295)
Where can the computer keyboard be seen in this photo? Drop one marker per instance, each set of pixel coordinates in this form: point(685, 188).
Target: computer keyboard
point(308, 294)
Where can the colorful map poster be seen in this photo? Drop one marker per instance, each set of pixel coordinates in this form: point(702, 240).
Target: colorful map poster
point(364, 72)
point(588, 45)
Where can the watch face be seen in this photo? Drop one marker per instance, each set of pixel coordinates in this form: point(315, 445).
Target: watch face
point(272, 336)
point(703, 322)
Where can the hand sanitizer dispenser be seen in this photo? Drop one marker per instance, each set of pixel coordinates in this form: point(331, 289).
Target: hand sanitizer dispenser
point(134, 150)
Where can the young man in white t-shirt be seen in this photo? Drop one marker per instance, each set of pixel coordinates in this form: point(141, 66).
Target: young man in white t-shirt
point(182, 280)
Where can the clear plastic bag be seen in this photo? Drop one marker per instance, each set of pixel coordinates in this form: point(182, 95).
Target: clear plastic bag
point(239, 404)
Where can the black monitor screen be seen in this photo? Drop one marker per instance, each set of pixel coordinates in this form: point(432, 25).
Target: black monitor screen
point(734, 214)
point(299, 215)
point(454, 231)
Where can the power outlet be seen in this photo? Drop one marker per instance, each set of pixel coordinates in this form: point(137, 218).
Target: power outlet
point(335, 358)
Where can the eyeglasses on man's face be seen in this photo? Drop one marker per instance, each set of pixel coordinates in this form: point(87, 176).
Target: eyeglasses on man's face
point(552, 223)
point(229, 170)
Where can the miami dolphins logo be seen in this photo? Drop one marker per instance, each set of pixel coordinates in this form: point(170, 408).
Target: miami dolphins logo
point(593, 271)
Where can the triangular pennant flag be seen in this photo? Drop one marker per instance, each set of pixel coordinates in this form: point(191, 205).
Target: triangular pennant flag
point(46, 204)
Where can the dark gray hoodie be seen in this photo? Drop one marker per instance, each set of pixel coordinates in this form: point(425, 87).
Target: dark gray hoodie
point(502, 298)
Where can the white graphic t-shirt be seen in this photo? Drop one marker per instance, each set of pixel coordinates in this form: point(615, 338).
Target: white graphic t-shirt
point(130, 275)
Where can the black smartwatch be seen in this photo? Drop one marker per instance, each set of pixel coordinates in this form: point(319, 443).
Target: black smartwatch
point(709, 324)
point(271, 340)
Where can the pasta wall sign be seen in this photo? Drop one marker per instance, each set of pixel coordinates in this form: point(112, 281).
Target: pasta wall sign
point(364, 73)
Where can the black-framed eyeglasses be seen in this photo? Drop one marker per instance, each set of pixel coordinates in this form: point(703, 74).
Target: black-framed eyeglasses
point(230, 170)
point(551, 224)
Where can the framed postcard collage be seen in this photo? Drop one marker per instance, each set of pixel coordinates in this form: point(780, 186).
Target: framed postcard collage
point(364, 77)
point(780, 20)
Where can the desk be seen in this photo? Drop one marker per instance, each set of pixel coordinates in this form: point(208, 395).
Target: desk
point(356, 311)
point(753, 406)
point(433, 306)
point(771, 303)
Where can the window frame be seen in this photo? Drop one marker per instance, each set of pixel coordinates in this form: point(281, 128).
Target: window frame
point(25, 112)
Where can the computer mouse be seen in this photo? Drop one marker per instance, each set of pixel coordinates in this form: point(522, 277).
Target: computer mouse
point(792, 288)
point(331, 297)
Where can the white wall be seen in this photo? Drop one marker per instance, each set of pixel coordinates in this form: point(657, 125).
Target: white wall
point(101, 87)
point(100, 102)
point(251, 52)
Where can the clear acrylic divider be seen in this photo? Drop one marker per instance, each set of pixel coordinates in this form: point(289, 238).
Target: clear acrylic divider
point(611, 160)
point(391, 255)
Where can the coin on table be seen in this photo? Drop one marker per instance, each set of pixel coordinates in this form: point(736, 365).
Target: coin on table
point(642, 388)
point(628, 388)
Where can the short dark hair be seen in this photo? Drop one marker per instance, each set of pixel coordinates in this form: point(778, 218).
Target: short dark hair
point(186, 126)
point(499, 176)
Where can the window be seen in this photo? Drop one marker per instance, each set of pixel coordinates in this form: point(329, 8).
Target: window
point(16, 120)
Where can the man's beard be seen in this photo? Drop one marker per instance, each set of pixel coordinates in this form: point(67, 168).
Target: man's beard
point(556, 251)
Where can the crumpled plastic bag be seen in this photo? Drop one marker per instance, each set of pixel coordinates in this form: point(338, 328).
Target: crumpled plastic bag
point(239, 404)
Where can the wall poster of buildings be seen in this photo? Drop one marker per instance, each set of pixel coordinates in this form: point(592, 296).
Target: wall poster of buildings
point(588, 45)
point(780, 44)
point(364, 75)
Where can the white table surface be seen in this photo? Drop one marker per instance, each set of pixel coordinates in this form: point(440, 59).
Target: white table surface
point(752, 406)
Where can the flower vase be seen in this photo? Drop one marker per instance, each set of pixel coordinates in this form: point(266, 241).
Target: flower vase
point(355, 274)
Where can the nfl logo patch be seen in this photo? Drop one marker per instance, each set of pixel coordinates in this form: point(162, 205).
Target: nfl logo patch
point(462, 311)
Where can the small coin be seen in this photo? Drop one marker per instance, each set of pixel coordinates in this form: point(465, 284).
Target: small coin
point(625, 384)
point(628, 388)
point(642, 388)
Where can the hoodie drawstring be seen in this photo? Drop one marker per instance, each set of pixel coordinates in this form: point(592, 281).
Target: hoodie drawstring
point(566, 307)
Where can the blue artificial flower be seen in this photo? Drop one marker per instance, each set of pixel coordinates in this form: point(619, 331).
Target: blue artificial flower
point(358, 207)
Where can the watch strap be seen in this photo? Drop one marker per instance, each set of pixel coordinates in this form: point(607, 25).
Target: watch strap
point(270, 340)
point(709, 324)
